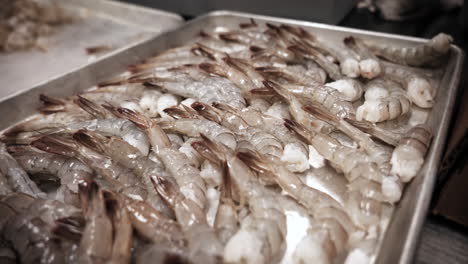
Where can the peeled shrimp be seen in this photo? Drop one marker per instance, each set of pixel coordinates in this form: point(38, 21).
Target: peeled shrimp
point(419, 89)
point(421, 55)
point(192, 219)
point(261, 236)
point(392, 106)
point(195, 127)
point(408, 156)
point(71, 172)
point(369, 65)
point(177, 163)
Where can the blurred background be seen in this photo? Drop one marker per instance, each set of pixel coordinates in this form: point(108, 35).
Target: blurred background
point(445, 234)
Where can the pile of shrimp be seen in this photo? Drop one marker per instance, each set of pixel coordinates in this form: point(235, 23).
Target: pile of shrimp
point(259, 144)
point(25, 24)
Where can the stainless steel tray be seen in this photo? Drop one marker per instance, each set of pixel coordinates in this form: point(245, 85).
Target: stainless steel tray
point(402, 235)
point(99, 22)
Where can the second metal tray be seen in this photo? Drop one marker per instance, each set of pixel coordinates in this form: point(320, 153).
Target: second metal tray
point(402, 235)
point(96, 23)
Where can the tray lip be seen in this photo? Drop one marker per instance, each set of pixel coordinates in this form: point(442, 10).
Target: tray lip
point(434, 156)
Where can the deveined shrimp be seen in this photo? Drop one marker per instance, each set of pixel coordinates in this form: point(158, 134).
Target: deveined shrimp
point(120, 178)
point(330, 98)
point(264, 143)
point(357, 166)
point(154, 226)
point(177, 163)
point(390, 107)
point(419, 88)
point(17, 178)
point(408, 156)
point(195, 127)
point(420, 55)
point(261, 237)
point(96, 240)
point(193, 222)
point(128, 156)
point(70, 171)
point(369, 64)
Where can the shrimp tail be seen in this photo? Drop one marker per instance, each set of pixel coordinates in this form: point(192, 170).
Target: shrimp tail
point(254, 161)
point(90, 140)
point(208, 112)
point(91, 107)
point(209, 150)
point(214, 69)
point(177, 113)
point(278, 89)
point(70, 228)
point(166, 189)
point(56, 145)
point(298, 129)
point(321, 113)
point(224, 107)
point(88, 194)
point(51, 104)
point(202, 50)
point(375, 131)
point(137, 118)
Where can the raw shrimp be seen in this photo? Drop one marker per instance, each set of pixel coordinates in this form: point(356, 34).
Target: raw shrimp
point(350, 89)
point(154, 226)
point(349, 64)
point(120, 178)
point(195, 127)
point(422, 55)
point(263, 142)
point(261, 237)
point(122, 233)
point(314, 54)
point(226, 216)
point(408, 156)
point(116, 127)
point(29, 231)
point(330, 98)
point(359, 165)
point(96, 240)
point(201, 87)
point(17, 178)
point(369, 65)
point(7, 255)
point(70, 171)
point(126, 155)
point(419, 88)
point(298, 74)
point(394, 105)
point(177, 163)
point(192, 219)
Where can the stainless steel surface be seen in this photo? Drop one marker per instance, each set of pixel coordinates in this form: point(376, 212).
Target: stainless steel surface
point(99, 22)
point(403, 232)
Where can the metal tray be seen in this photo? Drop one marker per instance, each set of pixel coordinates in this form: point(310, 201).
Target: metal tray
point(402, 234)
point(98, 22)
